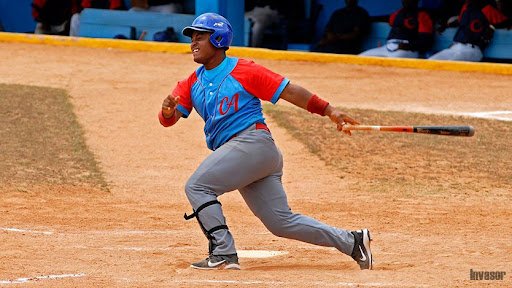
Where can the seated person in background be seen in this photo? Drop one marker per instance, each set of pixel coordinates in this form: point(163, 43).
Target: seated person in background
point(162, 6)
point(263, 15)
point(98, 4)
point(345, 30)
point(411, 32)
point(448, 13)
point(477, 21)
point(53, 16)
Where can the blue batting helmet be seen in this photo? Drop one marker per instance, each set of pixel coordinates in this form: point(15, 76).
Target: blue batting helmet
point(222, 33)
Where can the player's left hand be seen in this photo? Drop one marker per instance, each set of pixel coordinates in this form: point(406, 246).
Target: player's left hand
point(340, 118)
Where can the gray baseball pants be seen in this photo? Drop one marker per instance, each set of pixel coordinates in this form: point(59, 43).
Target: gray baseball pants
point(252, 163)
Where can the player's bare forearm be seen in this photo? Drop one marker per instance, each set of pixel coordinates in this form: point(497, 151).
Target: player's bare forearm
point(301, 97)
point(296, 95)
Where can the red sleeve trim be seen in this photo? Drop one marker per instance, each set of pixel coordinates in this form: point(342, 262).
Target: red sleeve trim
point(116, 4)
point(86, 3)
point(493, 15)
point(183, 89)
point(462, 10)
point(392, 17)
point(425, 23)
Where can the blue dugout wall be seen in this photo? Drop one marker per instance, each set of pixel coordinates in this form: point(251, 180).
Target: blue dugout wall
point(16, 16)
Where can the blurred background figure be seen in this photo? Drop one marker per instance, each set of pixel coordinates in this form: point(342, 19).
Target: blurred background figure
point(345, 30)
point(161, 6)
point(476, 24)
point(412, 33)
point(98, 4)
point(263, 15)
point(53, 16)
point(277, 23)
point(448, 13)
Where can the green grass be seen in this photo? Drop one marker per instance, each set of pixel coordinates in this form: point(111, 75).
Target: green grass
point(412, 164)
point(42, 141)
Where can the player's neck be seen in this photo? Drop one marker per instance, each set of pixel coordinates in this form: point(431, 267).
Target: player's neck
point(215, 60)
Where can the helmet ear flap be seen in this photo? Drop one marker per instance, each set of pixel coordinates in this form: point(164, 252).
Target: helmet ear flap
point(217, 40)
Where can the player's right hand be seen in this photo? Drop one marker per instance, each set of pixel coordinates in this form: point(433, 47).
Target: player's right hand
point(169, 105)
point(340, 118)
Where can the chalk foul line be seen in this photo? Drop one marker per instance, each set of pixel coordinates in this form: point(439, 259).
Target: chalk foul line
point(7, 229)
point(39, 278)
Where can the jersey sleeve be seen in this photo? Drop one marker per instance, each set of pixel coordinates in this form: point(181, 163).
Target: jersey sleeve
point(493, 15)
point(392, 17)
point(425, 24)
point(183, 90)
point(259, 81)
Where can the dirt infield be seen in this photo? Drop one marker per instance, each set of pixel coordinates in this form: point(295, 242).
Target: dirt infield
point(135, 236)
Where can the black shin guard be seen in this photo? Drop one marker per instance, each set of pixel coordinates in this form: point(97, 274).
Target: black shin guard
point(207, 233)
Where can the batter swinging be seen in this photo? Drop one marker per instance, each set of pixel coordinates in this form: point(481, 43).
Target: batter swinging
point(227, 93)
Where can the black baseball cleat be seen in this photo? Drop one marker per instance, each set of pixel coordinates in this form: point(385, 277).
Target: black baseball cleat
point(362, 253)
point(227, 262)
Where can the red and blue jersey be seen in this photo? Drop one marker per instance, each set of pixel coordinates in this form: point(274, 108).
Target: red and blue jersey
point(475, 24)
point(228, 97)
point(413, 25)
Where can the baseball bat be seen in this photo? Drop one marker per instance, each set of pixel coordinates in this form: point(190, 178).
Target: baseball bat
point(466, 131)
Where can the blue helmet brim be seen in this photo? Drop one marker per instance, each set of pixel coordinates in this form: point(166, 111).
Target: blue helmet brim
point(187, 31)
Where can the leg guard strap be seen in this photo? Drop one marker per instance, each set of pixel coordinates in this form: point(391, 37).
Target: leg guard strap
point(194, 214)
point(209, 235)
point(220, 227)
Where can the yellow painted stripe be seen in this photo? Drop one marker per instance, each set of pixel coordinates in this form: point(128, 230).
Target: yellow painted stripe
point(95, 43)
point(182, 48)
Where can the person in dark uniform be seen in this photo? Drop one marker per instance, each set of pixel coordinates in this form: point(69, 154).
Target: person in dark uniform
point(412, 32)
point(53, 16)
point(477, 21)
point(97, 4)
point(345, 30)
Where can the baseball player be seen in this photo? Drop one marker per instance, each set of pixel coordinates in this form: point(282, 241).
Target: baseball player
point(412, 32)
point(227, 93)
point(477, 20)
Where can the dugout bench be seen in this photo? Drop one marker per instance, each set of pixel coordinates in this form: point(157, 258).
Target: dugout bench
point(141, 25)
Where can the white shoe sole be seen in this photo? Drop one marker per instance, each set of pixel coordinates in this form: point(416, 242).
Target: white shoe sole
point(232, 266)
point(366, 242)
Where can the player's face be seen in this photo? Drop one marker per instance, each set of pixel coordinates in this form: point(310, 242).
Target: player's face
point(202, 49)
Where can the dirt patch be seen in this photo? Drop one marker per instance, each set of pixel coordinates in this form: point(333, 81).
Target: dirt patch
point(42, 142)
